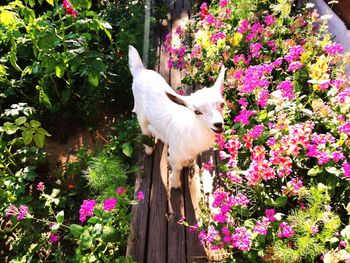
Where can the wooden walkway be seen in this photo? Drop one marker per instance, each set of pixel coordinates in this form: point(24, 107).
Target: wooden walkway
point(156, 235)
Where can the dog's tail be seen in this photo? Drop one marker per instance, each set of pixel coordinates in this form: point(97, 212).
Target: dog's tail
point(135, 63)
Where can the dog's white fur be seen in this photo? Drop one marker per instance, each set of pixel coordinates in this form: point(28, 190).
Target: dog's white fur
point(187, 124)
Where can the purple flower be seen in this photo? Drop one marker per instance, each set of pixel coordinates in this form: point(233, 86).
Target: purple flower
point(255, 49)
point(243, 102)
point(109, 204)
point(333, 49)
point(11, 210)
point(286, 87)
point(140, 196)
point(295, 65)
point(294, 53)
point(241, 239)
point(54, 238)
point(285, 230)
point(23, 212)
point(40, 187)
point(243, 116)
point(86, 209)
point(345, 128)
point(223, 3)
point(261, 227)
point(269, 20)
point(120, 190)
point(346, 169)
point(270, 214)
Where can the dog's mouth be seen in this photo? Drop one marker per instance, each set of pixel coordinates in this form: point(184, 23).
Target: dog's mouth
point(218, 130)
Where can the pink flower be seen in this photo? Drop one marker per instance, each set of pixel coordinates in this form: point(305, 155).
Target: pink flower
point(223, 3)
point(286, 87)
point(140, 196)
point(109, 204)
point(295, 65)
point(345, 128)
point(86, 209)
point(346, 169)
point(40, 186)
point(54, 238)
point(270, 214)
point(69, 8)
point(23, 212)
point(261, 226)
point(285, 230)
point(11, 210)
point(243, 116)
point(241, 239)
point(269, 20)
point(333, 49)
point(120, 190)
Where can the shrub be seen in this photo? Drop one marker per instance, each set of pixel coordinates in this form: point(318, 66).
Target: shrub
point(284, 157)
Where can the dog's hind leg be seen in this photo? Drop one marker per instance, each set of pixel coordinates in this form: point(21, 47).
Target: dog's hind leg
point(176, 167)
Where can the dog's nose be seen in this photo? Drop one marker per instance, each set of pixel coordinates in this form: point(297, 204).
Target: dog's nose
point(218, 125)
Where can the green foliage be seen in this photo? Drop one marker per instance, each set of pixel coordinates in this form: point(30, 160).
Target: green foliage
point(314, 228)
point(105, 173)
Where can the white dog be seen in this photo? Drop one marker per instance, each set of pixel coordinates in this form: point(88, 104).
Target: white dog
point(187, 124)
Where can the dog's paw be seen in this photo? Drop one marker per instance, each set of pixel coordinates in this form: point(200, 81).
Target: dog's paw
point(148, 150)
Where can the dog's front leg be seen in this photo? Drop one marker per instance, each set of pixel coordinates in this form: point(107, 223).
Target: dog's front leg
point(174, 178)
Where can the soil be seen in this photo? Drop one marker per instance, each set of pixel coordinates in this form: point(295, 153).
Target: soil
point(342, 9)
point(68, 137)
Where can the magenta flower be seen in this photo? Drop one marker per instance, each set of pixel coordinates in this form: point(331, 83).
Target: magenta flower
point(346, 169)
point(121, 190)
point(243, 116)
point(86, 209)
point(286, 87)
point(270, 214)
point(333, 49)
point(345, 128)
point(11, 210)
point(69, 8)
point(241, 239)
point(23, 212)
point(223, 3)
point(109, 204)
point(40, 187)
point(261, 227)
point(54, 238)
point(285, 230)
point(269, 20)
point(140, 196)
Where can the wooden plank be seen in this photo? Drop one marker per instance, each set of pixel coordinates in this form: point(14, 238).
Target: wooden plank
point(176, 231)
point(139, 221)
point(157, 232)
point(194, 250)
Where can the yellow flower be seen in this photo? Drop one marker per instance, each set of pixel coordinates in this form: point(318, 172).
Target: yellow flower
point(235, 39)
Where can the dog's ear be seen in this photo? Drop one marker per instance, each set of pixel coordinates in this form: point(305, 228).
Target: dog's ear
point(176, 99)
point(219, 84)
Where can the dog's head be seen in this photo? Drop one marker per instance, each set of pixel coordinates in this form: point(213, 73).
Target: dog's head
point(207, 104)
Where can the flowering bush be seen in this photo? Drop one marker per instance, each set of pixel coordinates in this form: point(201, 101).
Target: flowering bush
point(284, 157)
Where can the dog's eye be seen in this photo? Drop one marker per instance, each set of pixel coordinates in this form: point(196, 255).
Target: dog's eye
point(222, 105)
point(197, 112)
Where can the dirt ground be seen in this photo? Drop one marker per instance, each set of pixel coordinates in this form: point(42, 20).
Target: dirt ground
point(60, 152)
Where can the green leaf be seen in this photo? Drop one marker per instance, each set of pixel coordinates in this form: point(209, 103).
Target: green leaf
point(35, 124)
point(43, 98)
point(85, 239)
point(93, 220)
point(314, 171)
point(59, 70)
point(281, 201)
point(55, 227)
point(127, 149)
point(39, 140)
point(109, 234)
point(20, 120)
point(76, 230)
point(60, 217)
point(13, 60)
point(98, 65)
point(10, 128)
point(50, 2)
point(94, 78)
point(27, 136)
point(43, 132)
